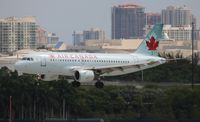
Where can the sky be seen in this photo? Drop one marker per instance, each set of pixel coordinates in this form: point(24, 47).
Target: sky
point(64, 16)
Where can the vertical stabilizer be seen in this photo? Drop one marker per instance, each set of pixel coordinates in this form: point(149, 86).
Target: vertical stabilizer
point(151, 42)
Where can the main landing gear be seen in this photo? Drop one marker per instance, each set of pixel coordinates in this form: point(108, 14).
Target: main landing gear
point(98, 84)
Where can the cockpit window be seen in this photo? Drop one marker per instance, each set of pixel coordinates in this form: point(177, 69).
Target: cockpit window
point(27, 58)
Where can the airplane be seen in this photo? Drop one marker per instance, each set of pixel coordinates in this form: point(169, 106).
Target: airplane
point(86, 67)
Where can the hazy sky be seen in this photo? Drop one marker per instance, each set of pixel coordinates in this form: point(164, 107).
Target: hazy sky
point(64, 16)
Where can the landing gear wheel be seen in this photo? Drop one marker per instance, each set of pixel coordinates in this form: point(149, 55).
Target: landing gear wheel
point(76, 84)
point(99, 84)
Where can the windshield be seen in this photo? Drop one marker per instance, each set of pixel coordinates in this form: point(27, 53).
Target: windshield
point(27, 58)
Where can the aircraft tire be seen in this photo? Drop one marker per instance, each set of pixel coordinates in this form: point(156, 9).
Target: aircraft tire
point(99, 84)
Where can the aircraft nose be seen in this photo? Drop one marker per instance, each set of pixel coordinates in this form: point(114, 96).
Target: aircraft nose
point(18, 66)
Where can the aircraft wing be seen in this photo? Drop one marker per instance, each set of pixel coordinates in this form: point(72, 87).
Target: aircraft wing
point(107, 69)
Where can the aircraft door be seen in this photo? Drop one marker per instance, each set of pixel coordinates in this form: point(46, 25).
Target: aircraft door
point(43, 62)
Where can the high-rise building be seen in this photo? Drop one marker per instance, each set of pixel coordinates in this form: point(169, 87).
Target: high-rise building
point(41, 37)
point(17, 33)
point(92, 34)
point(128, 21)
point(78, 38)
point(197, 34)
point(96, 34)
point(153, 18)
point(52, 39)
point(177, 16)
point(178, 33)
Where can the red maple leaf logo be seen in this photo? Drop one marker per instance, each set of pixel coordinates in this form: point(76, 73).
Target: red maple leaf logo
point(152, 44)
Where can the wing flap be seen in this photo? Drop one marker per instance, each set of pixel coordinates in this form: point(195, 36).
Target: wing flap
point(108, 69)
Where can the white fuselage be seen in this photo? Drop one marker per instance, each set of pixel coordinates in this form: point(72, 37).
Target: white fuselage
point(55, 63)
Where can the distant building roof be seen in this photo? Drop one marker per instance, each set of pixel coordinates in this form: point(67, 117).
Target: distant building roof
point(24, 51)
point(129, 6)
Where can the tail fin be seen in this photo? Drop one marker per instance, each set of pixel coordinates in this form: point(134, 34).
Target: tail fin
point(150, 43)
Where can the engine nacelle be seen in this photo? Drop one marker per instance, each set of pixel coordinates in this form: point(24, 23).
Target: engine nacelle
point(48, 77)
point(84, 75)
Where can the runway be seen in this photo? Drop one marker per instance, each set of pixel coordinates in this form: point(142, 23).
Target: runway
point(140, 84)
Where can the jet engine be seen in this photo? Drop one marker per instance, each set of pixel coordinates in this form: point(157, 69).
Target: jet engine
point(84, 75)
